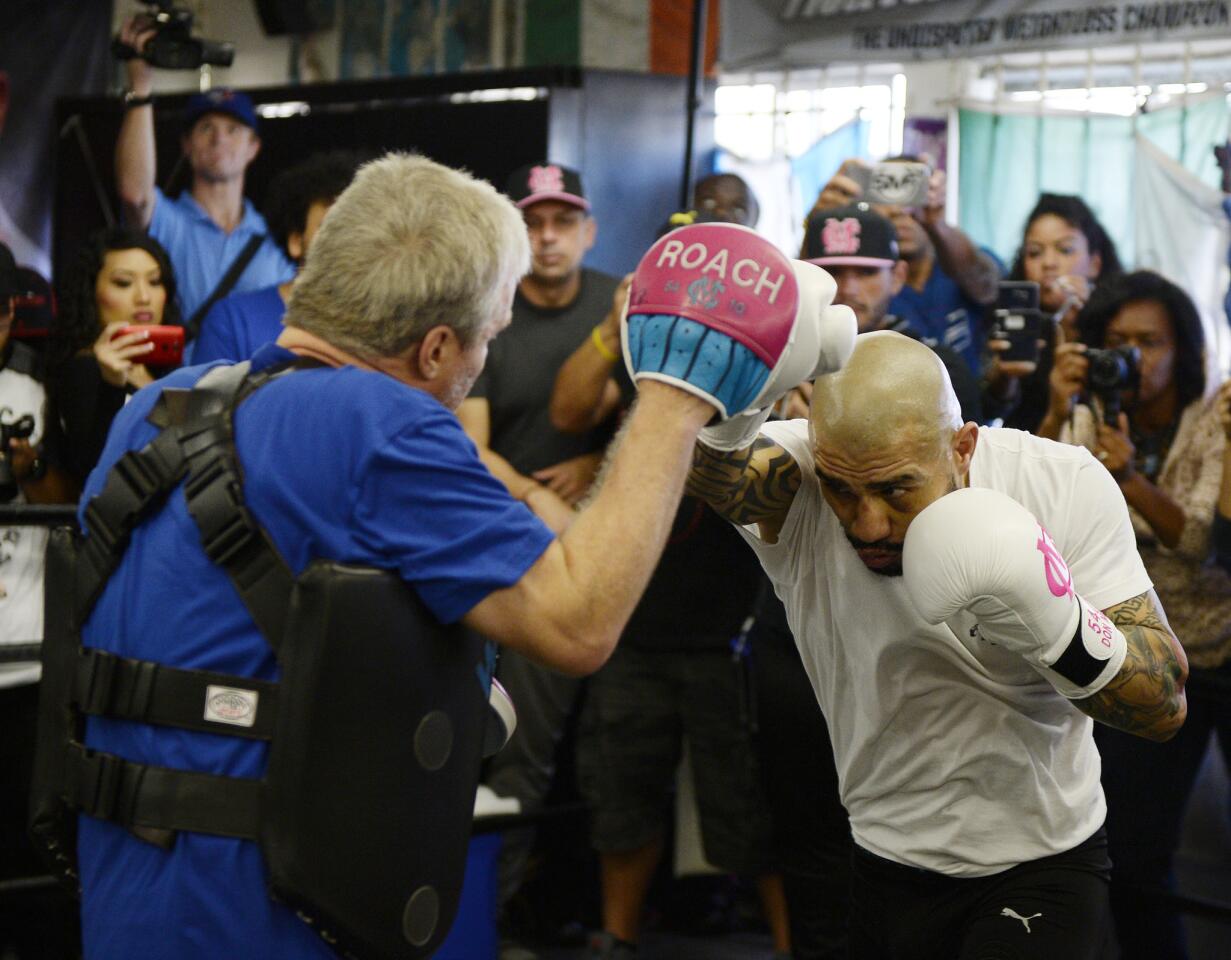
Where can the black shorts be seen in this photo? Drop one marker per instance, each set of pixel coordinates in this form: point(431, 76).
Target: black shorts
point(639, 710)
point(1055, 908)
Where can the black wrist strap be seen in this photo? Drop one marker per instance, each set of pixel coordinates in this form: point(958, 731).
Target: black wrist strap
point(132, 99)
point(228, 281)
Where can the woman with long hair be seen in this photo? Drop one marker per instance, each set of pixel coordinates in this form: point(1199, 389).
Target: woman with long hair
point(1066, 251)
point(122, 277)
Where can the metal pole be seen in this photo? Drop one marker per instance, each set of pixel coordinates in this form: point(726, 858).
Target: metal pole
point(696, 87)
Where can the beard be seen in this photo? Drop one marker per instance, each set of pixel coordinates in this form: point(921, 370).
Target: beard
point(891, 568)
point(891, 565)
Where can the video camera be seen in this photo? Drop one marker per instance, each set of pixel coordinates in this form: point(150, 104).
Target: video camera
point(173, 47)
point(19, 429)
point(1111, 372)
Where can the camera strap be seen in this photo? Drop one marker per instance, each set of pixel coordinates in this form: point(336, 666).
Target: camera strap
point(225, 285)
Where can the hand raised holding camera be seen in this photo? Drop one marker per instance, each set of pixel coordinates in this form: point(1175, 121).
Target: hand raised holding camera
point(1115, 450)
point(136, 32)
point(845, 186)
point(932, 211)
point(1068, 376)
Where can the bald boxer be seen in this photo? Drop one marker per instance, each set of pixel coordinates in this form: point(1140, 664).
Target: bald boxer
point(966, 600)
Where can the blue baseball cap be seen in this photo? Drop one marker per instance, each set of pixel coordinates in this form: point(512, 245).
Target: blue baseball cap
point(221, 100)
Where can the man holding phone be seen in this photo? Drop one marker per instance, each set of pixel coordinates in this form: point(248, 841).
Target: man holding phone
point(949, 281)
point(859, 248)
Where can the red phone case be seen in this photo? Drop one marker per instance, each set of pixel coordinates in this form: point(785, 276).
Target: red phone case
point(168, 343)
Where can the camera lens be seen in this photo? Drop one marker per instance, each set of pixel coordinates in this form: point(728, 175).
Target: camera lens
point(1108, 370)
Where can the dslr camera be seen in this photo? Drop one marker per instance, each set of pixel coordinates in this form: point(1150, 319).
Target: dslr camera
point(1111, 372)
point(19, 429)
point(173, 47)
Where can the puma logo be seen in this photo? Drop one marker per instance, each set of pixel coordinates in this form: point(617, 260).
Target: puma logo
point(1014, 915)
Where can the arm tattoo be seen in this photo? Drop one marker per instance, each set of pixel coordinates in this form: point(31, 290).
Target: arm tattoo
point(1146, 697)
point(745, 486)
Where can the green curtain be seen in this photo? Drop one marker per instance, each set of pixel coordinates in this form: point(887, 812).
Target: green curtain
point(1008, 159)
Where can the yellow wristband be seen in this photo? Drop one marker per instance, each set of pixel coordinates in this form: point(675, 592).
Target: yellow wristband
point(601, 347)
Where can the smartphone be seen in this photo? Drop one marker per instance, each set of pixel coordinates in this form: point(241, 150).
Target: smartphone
point(902, 184)
point(1018, 319)
point(168, 344)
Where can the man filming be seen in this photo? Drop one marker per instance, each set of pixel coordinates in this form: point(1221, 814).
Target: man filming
point(217, 240)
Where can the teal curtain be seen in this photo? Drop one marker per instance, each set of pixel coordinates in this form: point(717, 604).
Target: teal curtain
point(1007, 160)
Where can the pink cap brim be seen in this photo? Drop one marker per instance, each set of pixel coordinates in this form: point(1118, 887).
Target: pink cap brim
point(852, 262)
point(570, 198)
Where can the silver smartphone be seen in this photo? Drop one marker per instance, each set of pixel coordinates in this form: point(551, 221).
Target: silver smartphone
point(899, 184)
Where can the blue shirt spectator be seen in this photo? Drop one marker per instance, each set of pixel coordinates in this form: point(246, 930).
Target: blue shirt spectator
point(201, 251)
point(396, 484)
point(236, 326)
point(296, 204)
point(941, 315)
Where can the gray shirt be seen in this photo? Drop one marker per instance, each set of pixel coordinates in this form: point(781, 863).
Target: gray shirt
point(520, 374)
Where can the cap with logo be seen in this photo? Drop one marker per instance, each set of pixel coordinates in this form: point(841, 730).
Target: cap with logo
point(855, 236)
point(546, 181)
point(233, 103)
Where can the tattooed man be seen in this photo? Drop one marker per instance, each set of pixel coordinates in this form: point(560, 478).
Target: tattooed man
point(966, 601)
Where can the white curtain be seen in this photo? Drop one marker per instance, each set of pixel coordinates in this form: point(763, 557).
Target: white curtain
point(1181, 231)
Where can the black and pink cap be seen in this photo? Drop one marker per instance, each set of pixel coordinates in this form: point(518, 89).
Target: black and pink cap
point(852, 236)
point(546, 181)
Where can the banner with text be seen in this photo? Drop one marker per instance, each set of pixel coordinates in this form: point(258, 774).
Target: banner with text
point(799, 34)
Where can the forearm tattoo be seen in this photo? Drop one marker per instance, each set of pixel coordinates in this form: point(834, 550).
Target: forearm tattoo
point(745, 486)
point(1146, 697)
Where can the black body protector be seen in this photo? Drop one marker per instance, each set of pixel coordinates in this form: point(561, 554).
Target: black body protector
point(375, 729)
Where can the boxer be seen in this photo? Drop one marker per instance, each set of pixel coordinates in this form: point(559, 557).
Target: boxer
point(966, 602)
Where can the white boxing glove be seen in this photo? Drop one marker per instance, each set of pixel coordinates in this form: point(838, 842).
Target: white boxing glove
point(821, 342)
point(981, 551)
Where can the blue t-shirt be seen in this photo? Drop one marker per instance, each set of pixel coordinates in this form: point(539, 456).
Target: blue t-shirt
point(342, 464)
point(942, 315)
point(237, 325)
point(201, 251)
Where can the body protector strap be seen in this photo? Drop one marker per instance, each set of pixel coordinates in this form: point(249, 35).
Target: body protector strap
point(375, 727)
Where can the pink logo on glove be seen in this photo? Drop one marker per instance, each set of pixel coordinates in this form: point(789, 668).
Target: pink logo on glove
point(548, 179)
point(841, 237)
point(1059, 580)
point(726, 277)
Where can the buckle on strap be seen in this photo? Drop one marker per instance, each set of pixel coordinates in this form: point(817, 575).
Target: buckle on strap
point(154, 802)
point(216, 503)
point(109, 685)
point(101, 784)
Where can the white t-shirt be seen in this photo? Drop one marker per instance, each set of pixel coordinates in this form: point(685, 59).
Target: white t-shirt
point(22, 549)
point(953, 755)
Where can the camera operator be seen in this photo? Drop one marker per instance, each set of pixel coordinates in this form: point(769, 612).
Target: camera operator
point(1166, 452)
point(26, 475)
point(210, 226)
